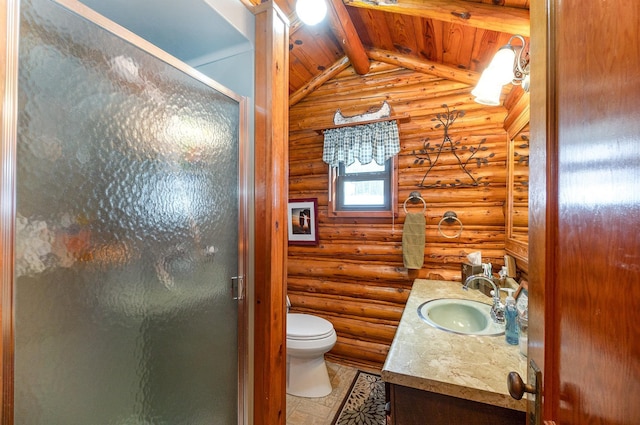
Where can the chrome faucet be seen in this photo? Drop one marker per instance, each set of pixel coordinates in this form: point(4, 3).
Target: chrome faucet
point(497, 309)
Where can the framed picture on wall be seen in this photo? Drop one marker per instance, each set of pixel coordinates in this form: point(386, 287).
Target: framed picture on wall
point(303, 221)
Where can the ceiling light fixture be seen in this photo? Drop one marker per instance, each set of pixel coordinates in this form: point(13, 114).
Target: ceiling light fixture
point(311, 12)
point(509, 65)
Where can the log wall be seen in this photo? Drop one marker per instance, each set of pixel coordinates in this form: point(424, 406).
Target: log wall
point(355, 277)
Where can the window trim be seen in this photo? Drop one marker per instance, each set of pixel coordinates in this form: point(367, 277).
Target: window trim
point(365, 213)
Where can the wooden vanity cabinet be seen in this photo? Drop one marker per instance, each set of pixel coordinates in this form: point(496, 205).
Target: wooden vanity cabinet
point(410, 406)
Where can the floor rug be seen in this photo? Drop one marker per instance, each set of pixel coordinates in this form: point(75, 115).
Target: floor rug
point(364, 405)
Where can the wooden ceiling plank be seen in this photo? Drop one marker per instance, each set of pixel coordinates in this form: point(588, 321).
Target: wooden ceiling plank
point(434, 29)
point(423, 65)
point(405, 38)
point(423, 44)
point(344, 30)
point(313, 56)
point(298, 76)
point(373, 27)
point(510, 20)
point(485, 46)
point(319, 80)
point(312, 48)
point(458, 45)
point(327, 47)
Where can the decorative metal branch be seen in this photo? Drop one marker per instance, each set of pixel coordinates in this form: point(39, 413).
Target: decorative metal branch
point(430, 154)
point(520, 158)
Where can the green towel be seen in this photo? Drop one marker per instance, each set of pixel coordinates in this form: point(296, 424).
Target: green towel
point(413, 240)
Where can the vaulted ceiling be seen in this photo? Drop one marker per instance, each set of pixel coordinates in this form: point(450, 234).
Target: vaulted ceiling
point(455, 39)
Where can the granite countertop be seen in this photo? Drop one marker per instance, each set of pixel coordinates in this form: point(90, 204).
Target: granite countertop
point(465, 366)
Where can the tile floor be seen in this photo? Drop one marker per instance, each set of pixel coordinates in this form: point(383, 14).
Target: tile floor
point(322, 410)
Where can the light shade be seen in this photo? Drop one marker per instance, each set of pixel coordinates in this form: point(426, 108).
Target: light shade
point(311, 12)
point(488, 90)
point(505, 67)
point(501, 65)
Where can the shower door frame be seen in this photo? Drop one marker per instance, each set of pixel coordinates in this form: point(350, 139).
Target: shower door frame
point(9, 42)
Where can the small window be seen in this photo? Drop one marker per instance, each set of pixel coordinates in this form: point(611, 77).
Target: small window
point(363, 190)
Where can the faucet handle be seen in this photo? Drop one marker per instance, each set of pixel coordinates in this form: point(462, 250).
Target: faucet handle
point(497, 313)
point(497, 309)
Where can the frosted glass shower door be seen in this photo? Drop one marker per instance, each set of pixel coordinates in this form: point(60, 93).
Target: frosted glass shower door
point(127, 234)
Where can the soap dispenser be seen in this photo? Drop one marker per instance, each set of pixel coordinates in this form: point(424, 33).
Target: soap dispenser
point(511, 318)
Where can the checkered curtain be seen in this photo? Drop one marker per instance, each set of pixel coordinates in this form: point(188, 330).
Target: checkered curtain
point(376, 141)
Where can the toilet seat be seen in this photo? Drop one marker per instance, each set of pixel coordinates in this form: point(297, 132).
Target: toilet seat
point(304, 327)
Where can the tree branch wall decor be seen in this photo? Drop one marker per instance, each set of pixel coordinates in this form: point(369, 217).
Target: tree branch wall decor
point(521, 158)
point(431, 154)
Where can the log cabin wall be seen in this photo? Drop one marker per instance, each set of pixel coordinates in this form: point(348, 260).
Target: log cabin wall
point(355, 277)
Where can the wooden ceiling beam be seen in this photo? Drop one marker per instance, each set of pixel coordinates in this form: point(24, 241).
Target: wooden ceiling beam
point(509, 20)
point(340, 65)
point(425, 66)
point(344, 30)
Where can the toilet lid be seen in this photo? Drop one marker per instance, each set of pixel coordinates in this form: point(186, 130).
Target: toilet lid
point(306, 326)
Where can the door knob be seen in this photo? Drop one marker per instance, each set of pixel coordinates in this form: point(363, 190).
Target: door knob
point(517, 387)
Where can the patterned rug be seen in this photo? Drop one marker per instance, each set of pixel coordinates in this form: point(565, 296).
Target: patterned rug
point(365, 403)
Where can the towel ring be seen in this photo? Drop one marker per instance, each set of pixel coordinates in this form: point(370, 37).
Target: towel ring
point(415, 197)
point(450, 217)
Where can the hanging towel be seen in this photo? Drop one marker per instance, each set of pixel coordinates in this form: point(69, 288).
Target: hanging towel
point(413, 240)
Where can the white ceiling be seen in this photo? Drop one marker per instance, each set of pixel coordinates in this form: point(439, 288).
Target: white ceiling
point(191, 30)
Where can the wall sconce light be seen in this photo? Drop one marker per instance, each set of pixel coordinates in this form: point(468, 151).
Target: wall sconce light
point(507, 66)
point(311, 12)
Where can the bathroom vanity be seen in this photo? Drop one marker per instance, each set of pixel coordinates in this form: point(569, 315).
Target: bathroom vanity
point(437, 377)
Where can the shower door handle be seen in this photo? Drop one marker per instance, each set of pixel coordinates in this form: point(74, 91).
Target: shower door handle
point(237, 287)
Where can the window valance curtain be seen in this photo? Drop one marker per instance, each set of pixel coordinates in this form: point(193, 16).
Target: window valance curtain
point(377, 141)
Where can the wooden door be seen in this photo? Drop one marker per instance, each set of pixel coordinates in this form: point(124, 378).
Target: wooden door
point(585, 209)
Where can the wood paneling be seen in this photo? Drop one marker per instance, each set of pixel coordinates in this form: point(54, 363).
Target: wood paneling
point(355, 276)
point(271, 121)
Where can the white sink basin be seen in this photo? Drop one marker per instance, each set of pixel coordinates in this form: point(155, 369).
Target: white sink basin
point(460, 316)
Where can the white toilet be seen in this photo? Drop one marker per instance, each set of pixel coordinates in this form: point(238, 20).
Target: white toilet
point(308, 338)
